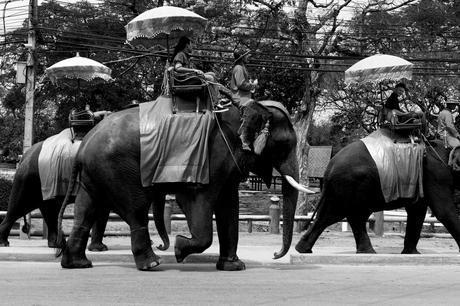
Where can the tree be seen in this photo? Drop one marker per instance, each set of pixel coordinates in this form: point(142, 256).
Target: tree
point(424, 29)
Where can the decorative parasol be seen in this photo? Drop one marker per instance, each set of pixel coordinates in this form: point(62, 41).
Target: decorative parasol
point(163, 26)
point(78, 68)
point(377, 68)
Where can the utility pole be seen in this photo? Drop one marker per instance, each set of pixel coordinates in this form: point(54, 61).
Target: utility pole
point(30, 91)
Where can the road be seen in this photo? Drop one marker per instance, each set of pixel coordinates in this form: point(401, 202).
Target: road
point(45, 283)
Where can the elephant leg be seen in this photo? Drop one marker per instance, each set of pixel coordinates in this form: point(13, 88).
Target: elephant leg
point(198, 211)
point(133, 207)
point(50, 211)
point(20, 204)
point(227, 229)
point(325, 217)
point(358, 226)
point(145, 258)
point(445, 211)
point(98, 229)
point(74, 252)
point(415, 216)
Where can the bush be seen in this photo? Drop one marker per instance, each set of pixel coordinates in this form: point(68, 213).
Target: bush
point(5, 190)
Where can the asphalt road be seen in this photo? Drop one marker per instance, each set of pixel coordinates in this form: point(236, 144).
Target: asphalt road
point(34, 283)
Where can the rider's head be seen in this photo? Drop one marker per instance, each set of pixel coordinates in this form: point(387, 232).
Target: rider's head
point(184, 44)
point(400, 89)
point(241, 55)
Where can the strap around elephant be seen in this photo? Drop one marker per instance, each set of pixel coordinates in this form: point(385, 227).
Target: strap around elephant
point(435, 152)
point(228, 146)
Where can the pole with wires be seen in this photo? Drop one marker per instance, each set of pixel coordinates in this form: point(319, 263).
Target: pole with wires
point(30, 91)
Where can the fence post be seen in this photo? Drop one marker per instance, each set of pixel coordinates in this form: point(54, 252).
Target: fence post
point(167, 217)
point(378, 224)
point(274, 212)
point(25, 226)
point(249, 226)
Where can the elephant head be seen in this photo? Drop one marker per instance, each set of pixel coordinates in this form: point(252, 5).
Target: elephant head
point(278, 151)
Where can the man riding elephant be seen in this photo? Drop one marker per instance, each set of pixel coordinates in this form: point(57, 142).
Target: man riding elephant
point(446, 127)
point(109, 165)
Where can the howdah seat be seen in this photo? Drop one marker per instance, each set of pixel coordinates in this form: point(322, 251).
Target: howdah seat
point(80, 123)
point(189, 92)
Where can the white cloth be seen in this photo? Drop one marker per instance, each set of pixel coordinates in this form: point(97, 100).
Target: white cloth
point(55, 163)
point(400, 166)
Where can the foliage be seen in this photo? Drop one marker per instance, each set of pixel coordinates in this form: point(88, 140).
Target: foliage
point(5, 189)
point(290, 58)
point(424, 29)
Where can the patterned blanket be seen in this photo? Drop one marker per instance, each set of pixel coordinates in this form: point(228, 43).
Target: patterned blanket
point(55, 163)
point(174, 147)
point(400, 165)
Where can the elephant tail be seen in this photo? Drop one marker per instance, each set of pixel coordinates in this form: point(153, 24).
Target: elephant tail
point(61, 243)
point(158, 209)
point(315, 212)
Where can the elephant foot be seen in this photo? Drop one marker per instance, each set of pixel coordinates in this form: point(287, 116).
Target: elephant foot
point(369, 250)
point(410, 251)
point(4, 243)
point(230, 264)
point(151, 265)
point(68, 262)
point(180, 248)
point(97, 247)
point(147, 261)
point(301, 248)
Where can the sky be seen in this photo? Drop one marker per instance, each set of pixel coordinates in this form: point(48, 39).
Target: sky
point(16, 12)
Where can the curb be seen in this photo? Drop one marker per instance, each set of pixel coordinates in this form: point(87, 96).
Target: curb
point(376, 259)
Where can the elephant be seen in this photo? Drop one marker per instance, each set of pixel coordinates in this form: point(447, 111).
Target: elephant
point(352, 190)
point(108, 164)
point(26, 196)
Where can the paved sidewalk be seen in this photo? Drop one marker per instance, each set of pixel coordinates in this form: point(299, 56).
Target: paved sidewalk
point(257, 248)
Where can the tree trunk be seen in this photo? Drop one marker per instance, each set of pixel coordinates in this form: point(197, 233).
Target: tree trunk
point(302, 126)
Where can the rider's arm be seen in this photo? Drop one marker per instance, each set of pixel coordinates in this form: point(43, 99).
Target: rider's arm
point(450, 127)
point(180, 68)
point(180, 64)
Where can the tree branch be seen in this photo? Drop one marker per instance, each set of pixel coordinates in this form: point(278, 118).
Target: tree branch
point(390, 8)
point(321, 5)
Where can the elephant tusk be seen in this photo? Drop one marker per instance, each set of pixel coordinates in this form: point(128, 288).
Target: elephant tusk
point(297, 186)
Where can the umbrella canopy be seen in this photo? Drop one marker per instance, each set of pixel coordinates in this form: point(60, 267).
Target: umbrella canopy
point(377, 68)
point(78, 67)
point(163, 26)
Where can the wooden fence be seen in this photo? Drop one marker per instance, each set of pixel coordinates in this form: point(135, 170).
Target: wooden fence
point(274, 221)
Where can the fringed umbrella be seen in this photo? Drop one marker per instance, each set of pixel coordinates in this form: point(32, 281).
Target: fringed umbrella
point(377, 68)
point(163, 26)
point(76, 69)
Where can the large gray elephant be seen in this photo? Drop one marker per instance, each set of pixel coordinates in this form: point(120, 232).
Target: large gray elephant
point(108, 164)
point(26, 196)
point(352, 190)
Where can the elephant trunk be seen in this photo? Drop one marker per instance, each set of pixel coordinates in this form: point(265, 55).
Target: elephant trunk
point(290, 194)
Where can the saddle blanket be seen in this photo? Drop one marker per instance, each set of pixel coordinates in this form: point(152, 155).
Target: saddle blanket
point(55, 163)
point(174, 147)
point(400, 166)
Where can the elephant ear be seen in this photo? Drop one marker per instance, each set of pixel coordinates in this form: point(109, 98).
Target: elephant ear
point(264, 170)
